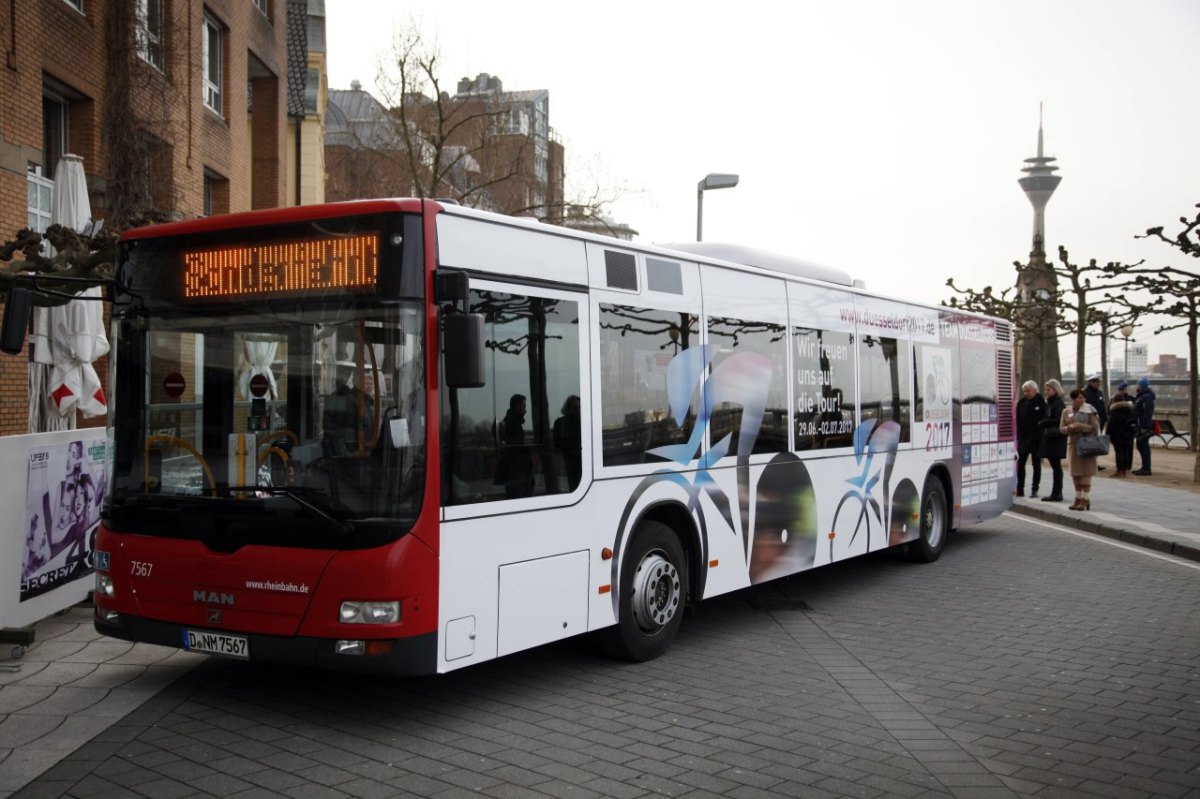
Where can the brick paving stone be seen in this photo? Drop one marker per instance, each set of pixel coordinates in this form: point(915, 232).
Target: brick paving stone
point(994, 672)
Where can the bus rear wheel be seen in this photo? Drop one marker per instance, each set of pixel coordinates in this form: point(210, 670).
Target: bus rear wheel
point(935, 523)
point(653, 590)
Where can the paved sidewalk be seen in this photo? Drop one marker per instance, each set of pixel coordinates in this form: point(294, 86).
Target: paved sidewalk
point(1127, 509)
point(70, 686)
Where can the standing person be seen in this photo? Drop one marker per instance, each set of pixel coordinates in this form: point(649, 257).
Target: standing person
point(1120, 429)
point(1079, 420)
point(1031, 409)
point(514, 467)
point(1054, 441)
point(1143, 421)
point(568, 438)
point(1095, 397)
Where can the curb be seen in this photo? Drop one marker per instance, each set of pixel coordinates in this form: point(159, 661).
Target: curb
point(1136, 537)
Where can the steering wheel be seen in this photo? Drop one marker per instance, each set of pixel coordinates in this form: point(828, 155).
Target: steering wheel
point(178, 442)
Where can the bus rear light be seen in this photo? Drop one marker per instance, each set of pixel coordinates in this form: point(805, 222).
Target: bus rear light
point(369, 613)
point(104, 584)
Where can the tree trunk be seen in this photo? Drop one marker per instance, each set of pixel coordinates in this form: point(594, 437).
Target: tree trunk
point(1193, 399)
point(1104, 359)
point(1080, 342)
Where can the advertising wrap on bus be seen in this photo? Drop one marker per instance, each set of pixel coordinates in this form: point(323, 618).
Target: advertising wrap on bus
point(293, 479)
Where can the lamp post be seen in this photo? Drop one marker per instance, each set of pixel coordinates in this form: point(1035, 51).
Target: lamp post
point(1126, 332)
point(713, 180)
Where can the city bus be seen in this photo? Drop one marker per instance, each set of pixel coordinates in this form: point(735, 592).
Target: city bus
point(403, 436)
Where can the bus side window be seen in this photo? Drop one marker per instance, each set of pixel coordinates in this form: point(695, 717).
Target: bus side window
point(636, 348)
point(520, 435)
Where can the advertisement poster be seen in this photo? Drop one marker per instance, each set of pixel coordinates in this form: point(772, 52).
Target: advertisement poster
point(64, 490)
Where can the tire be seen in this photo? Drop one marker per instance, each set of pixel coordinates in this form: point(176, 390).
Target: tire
point(653, 592)
point(935, 523)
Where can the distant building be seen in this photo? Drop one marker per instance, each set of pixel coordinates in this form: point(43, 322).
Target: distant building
point(175, 106)
point(1170, 366)
point(493, 149)
point(1139, 359)
point(581, 218)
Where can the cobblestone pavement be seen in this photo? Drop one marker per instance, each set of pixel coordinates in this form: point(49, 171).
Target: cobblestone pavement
point(1028, 661)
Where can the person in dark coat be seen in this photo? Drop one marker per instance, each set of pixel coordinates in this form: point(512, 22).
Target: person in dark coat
point(1054, 441)
point(1093, 396)
point(1031, 409)
point(568, 439)
point(1120, 430)
point(1143, 420)
point(514, 467)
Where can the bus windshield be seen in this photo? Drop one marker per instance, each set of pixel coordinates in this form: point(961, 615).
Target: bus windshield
point(290, 420)
point(236, 408)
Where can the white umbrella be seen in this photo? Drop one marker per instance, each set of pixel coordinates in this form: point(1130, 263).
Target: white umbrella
point(69, 338)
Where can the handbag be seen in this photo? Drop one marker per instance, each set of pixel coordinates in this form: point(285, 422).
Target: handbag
point(1093, 446)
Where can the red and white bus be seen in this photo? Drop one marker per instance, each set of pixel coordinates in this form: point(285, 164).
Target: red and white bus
point(404, 436)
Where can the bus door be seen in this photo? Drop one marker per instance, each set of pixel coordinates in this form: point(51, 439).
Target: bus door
point(516, 458)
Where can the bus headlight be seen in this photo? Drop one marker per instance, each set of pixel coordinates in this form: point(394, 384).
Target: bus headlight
point(369, 613)
point(104, 584)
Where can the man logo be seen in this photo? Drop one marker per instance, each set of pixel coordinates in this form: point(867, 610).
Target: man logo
point(214, 616)
point(212, 598)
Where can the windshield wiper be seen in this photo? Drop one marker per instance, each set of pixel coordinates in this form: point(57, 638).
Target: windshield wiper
point(294, 493)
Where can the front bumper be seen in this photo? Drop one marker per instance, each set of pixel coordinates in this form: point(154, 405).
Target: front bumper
point(410, 656)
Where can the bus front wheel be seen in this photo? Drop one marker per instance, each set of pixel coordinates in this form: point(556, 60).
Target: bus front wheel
point(935, 523)
point(652, 594)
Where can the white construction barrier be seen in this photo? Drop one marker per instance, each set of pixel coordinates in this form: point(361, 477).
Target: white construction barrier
point(51, 497)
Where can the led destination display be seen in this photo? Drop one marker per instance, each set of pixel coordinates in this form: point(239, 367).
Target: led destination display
point(295, 267)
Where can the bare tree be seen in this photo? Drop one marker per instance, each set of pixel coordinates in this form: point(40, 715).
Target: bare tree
point(1075, 308)
point(1176, 295)
point(474, 144)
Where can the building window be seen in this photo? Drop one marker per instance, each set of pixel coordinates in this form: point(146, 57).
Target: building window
point(264, 7)
point(150, 32)
point(312, 85)
point(212, 54)
point(216, 194)
point(40, 191)
point(54, 132)
point(75, 4)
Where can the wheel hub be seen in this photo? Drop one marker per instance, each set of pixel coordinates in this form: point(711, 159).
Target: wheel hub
point(656, 592)
point(932, 522)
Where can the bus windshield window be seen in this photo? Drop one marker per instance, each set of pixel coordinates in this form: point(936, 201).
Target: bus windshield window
point(264, 406)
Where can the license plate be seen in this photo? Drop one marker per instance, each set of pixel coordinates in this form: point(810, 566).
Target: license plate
point(234, 646)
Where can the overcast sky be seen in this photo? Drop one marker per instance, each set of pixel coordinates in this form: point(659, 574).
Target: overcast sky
point(883, 138)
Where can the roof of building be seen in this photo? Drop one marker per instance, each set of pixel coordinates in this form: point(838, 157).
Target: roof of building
point(357, 120)
point(297, 55)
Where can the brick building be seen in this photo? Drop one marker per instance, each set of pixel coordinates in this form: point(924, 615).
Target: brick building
point(491, 148)
point(176, 106)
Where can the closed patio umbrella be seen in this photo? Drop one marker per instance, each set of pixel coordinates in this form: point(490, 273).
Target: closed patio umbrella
point(68, 338)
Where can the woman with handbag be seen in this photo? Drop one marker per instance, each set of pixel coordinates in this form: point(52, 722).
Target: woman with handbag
point(1054, 442)
point(1080, 420)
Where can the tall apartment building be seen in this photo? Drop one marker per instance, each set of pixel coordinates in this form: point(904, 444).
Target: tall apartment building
point(491, 149)
point(176, 106)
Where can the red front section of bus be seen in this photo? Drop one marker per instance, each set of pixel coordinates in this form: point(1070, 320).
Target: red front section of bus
point(286, 600)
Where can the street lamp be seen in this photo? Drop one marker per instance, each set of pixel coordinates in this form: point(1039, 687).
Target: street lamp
point(1126, 332)
point(713, 180)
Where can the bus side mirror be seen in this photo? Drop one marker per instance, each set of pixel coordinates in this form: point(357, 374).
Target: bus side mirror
point(462, 339)
point(16, 320)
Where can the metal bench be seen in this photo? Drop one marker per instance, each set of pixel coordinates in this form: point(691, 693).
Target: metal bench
point(1164, 431)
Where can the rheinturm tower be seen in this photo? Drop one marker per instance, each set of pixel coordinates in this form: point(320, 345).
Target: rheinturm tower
point(1037, 286)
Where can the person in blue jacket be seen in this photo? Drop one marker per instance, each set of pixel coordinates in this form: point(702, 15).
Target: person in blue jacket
point(1143, 420)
